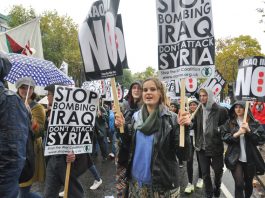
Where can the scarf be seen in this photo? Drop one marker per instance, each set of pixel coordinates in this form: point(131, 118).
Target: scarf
point(151, 122)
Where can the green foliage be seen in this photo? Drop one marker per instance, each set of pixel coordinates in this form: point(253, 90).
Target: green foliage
point(148, 73)
point(60, 41)
point(59, 37)
point(19, 15)
point(126, 79)
point(230, 50)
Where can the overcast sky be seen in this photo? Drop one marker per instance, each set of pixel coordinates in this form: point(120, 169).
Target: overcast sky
point(230, 18)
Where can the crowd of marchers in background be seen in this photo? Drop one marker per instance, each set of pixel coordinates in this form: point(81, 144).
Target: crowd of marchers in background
point(147, 154)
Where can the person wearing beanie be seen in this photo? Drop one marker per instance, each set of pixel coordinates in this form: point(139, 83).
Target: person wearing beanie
point(14, 129)
point(25, 89)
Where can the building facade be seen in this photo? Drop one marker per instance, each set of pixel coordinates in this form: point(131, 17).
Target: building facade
point(3, 23)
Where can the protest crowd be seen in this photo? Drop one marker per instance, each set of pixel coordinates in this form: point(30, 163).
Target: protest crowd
point(146, 154)
point(150, 134)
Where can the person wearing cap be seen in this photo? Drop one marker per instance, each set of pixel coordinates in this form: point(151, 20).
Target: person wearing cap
point(25, 89)
point(56, 165)
point(208, 140)
point(14, 129)
point(193, 104)
point(242, 157)
point(174, 107)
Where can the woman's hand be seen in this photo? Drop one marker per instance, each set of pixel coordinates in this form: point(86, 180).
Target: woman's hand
point(241, 131)
point(70, 157)
point(119, 120)
point(184, 118)
point(245, 126)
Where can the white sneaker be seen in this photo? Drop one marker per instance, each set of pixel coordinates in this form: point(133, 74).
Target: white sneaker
point(189, 189)
point(111, 155)
point(96, 184)
point(199, 183)
point(61, 194)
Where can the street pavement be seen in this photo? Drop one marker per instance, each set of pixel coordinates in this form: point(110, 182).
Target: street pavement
point(107, 171)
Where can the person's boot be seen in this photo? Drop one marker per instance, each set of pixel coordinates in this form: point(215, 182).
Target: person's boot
point(217, 192)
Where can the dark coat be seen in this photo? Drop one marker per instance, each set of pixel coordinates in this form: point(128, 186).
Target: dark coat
point(255, 137)
point(213, 141)
point(164, 165)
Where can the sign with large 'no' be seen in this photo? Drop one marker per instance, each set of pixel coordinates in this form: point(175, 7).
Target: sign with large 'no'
point(250, 78)
point(101, 41)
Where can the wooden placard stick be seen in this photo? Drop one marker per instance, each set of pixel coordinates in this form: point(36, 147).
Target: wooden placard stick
point(194, 113)
point(116, 101)
point(187, 104)
point(67, 176)
point(182, 109)
point(246, 112)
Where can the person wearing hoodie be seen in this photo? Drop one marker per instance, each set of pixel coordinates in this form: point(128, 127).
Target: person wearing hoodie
point(14, 130)
point(242, 156)
point(208, 141)
point(131, 104)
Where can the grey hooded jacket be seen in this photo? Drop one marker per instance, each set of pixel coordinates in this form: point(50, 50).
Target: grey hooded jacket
point(210, 139)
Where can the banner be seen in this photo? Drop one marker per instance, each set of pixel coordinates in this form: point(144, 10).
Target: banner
point(216, 84)
point(72, 121)
point(186, 45)
point(24, 39)
point(101, 41)
point(109, 95)
point(173, 87)
point(97, 86)
point(250, 78)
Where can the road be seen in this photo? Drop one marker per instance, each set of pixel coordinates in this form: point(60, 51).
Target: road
point(107, 171)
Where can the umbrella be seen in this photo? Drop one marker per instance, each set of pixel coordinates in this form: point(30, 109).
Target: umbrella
point(42, 71)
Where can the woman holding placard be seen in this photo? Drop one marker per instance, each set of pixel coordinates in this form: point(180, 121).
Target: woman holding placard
point(242, 156)
point(153, 167)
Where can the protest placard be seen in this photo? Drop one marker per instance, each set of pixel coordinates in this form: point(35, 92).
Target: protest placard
point(173, 87)
point(250, 81)
point(71, 121)
point(216, 84)
point(101, 41)
point(186, 45)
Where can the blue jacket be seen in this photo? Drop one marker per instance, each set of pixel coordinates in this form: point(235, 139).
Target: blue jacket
point(14, 129)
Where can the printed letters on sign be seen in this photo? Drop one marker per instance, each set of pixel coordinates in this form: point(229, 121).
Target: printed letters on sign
point(251, 78)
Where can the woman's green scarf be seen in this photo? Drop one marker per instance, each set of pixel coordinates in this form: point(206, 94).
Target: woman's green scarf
point(151, 123)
